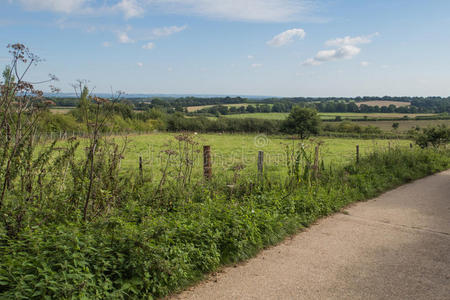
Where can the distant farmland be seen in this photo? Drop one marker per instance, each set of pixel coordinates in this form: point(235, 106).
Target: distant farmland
point(326, 116)
point(61, 109)
point(403, 125)
point(381, 103)
point(196, 108)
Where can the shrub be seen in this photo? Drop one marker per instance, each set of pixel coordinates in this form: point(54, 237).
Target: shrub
point(435, 136)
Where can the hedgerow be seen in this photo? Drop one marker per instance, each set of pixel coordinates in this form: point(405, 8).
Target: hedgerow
point(143, 252)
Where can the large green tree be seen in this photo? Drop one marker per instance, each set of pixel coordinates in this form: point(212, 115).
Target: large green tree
point(302, 121)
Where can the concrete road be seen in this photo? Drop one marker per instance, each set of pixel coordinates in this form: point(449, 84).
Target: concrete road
point(396, 246)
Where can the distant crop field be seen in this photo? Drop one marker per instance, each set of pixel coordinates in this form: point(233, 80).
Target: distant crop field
point(403, 125)
point(325, 116)
point(61, 109)
point(351, 116)
point(267, 116)
point(384, 103)
point(196, 108)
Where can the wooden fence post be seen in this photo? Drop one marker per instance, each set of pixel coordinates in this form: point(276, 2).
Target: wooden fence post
point(141, 171)
point(357, 153)
point(207, 169)
point(389, 146)
point(316, 161)
point(260, 162)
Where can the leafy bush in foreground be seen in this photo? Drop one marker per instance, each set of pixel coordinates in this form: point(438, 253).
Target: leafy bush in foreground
point(142, 252)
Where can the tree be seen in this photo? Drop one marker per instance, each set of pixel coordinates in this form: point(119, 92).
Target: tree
point(395, 125)
point(434, 136)
point(302, 121)
point(251, 109)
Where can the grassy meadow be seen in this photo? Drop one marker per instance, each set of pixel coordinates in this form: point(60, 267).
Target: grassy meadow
point(229, 150)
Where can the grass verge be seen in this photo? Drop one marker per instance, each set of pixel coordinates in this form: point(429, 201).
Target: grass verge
point(144, 253)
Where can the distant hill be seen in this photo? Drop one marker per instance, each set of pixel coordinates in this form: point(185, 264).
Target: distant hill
point(131, 96)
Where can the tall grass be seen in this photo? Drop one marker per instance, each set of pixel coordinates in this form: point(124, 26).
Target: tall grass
point(148, 247)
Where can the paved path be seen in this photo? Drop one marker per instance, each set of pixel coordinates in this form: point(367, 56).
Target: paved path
point(396, 246)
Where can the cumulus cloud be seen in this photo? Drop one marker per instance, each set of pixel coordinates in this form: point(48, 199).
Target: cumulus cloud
point(124, 38)
point(130, 8)
point(250, 57)
point(364, 63)
point(140, 65)
point(148, 46)
point(255, 66)
point(346, 49)
point(286, 37)
point(338, 42)
point(166, 31)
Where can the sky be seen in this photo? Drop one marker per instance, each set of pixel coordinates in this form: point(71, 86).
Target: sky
point(320, 48)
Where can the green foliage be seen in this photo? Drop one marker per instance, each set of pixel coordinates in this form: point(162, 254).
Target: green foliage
point(141, 251)
point(435, 136)
point(302, 121)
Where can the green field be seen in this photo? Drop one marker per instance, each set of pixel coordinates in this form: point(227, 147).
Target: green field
point(61, 109)
point(403, 125)
point(228, 150)
point(326, 116)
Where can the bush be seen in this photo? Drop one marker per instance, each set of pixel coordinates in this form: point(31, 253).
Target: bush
point(433, 136)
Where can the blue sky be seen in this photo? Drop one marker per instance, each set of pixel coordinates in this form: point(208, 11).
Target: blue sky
point(245, 47)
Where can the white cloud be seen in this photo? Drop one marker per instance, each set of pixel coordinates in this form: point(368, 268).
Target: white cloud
point(338, 42)
point(106, 44)
point(286, 37)
point(148, 46)
point(140, 65)
point(254, 66)
point(130, 8)
point(344, 52)
point(241, 10)
point(61, 6)
point(166, 31)
point(250, 57)
point(346, 49)
point(124, 38)
point(364, 63)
